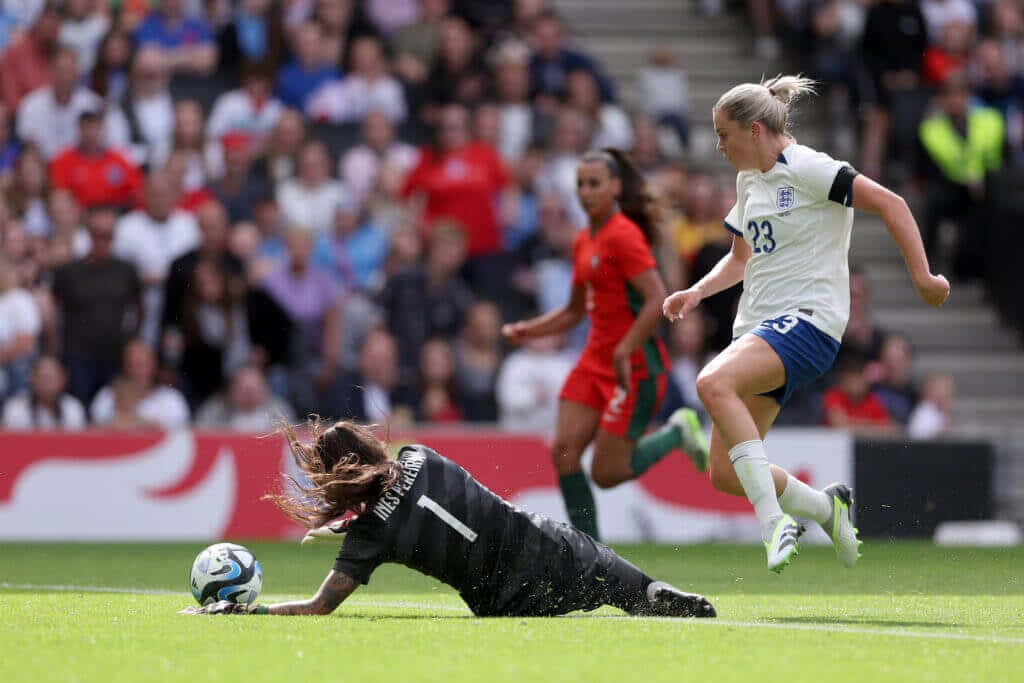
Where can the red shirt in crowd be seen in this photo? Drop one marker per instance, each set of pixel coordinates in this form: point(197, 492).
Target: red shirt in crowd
point(462, 185)
point(604, 262)
point(94, 180)
point(869, 410)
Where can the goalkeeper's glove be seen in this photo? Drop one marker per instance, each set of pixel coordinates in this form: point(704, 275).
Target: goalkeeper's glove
point(332, 531)
point(226, 607)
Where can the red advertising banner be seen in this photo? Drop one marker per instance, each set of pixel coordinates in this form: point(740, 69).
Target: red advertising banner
point(201, 485)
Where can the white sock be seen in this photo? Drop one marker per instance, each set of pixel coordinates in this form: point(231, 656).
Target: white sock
point(751, 465)
point(800, 500)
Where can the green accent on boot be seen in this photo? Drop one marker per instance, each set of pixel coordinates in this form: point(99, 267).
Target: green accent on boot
point(579, 503)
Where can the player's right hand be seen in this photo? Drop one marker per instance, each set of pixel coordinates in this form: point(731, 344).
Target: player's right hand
point(222, 607)
point(933, 289)
point(678, 304)
point(514, 333)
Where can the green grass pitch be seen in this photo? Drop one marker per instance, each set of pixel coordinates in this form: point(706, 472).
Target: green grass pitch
point(908, 612)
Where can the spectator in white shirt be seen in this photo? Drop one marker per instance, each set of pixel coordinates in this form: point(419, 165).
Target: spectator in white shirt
point(20, 325)
point(311, 199)
point(151, 238)
point(48, 116)
point(360, 165)
point(134, 400)
point(249, 110)
point(528, 385)
point(611, 126)
point(45, 405)
point(558, 175)
point(247, 406)
point(83, 28)
point(940, 13)
point(143, 125)
point(368, 87)
point(664, 92)
point(512, 80)
point(933, 415)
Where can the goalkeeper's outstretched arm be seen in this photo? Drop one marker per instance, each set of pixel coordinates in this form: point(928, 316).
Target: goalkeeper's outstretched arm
point(333, 591)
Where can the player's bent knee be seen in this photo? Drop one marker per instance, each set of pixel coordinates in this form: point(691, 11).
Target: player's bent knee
point(710, 387)
point(566, 458)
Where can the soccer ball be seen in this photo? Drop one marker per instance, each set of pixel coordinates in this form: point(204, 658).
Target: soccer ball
point(225, 571)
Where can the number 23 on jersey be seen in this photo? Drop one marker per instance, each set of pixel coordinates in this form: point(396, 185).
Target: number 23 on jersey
point(762, 236)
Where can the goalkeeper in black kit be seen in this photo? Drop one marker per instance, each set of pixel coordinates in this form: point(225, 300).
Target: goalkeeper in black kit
point(427, 513)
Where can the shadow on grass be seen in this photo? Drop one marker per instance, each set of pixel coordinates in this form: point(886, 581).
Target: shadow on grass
point(853, 621)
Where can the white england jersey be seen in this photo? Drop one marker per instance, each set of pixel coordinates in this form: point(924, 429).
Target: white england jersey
point(796, 218)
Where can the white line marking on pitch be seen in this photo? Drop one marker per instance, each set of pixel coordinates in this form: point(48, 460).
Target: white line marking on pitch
point(368, 602)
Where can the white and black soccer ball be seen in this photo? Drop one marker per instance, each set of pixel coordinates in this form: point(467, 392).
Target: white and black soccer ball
point(226, 571)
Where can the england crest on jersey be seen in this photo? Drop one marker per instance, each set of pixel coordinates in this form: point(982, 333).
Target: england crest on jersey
point(785, 197)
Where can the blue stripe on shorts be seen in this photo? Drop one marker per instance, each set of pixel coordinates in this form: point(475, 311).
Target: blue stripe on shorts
point(807, 353)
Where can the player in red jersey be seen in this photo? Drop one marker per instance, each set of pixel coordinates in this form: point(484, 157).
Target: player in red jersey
point(620, 378)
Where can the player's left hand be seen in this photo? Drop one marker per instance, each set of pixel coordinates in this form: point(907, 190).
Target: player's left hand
point(621, 365)
point(222, 607)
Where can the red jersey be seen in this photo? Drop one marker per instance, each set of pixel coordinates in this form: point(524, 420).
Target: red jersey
point(603, 263)
point(868, 411)
point(462, 185)
point(107, 178)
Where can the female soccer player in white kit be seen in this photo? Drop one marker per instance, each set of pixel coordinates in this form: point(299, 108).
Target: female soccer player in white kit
point(792, 221)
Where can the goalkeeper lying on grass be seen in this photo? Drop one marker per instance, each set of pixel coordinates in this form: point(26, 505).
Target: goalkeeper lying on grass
point(424, 511)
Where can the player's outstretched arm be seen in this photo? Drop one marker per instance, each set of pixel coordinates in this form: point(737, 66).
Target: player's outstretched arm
point(870, 196)
point(727, 272)
point(333, 591)
point(555, 322)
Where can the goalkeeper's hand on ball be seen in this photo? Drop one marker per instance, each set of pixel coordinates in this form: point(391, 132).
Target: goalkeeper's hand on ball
point(225, 607)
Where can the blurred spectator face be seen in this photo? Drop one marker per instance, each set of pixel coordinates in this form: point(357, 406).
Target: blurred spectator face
point(455, 42)
point(992, 63)
point(483, 325)
point(309, 44)
point(248, 390)
point(47, 26)
point(378, 131)
point(300, 245)
point(555, 228)
point(149, 72)
point(15, 242)
point(897, 360)
point(256, 7)
point(367, 59)
point(268, 218)
point(939, 390)
point(314, 163)
point(139, 363)
point(700, 198)
point(160, 195)
point(101, 224)
point(570, 132)
point(447, 249)
point(957, 37)
point(346, 219)
point(48, 380)
point(289, 133)
point(526, 11)
point(547, 36)
point(390, 178)
point(258, 86)
point(64, 210)
point(213, 225)
point(581, 90)
point(437, 362)
point(529, 167)
point(90, 133)
point(1006, 19)
point(188, 124)
point(30, 173)
point(170, 8)
point(378, 359)
point(645, 141)
point(852, 381)
point(406, 249)
point(687, 336)
point(116, 50)
point(333, 15)
point(486, 123)
point(236, 156)
point(513, 81)
point(209, 282)
point(65, 73)
point(955, 96)
point(244, 241)
point(433, 10)
point(671, 183)
point(454, 124)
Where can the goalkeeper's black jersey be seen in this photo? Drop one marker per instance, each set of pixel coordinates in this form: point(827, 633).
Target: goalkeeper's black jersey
point(440, 521)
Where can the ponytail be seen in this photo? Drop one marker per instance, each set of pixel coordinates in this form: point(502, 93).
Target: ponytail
point(634, 201)
point(767, 103)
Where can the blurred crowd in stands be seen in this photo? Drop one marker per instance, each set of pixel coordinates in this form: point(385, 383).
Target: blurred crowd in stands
point(215, 213)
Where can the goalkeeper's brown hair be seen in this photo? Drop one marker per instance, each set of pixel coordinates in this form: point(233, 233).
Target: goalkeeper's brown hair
point(347, 467)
